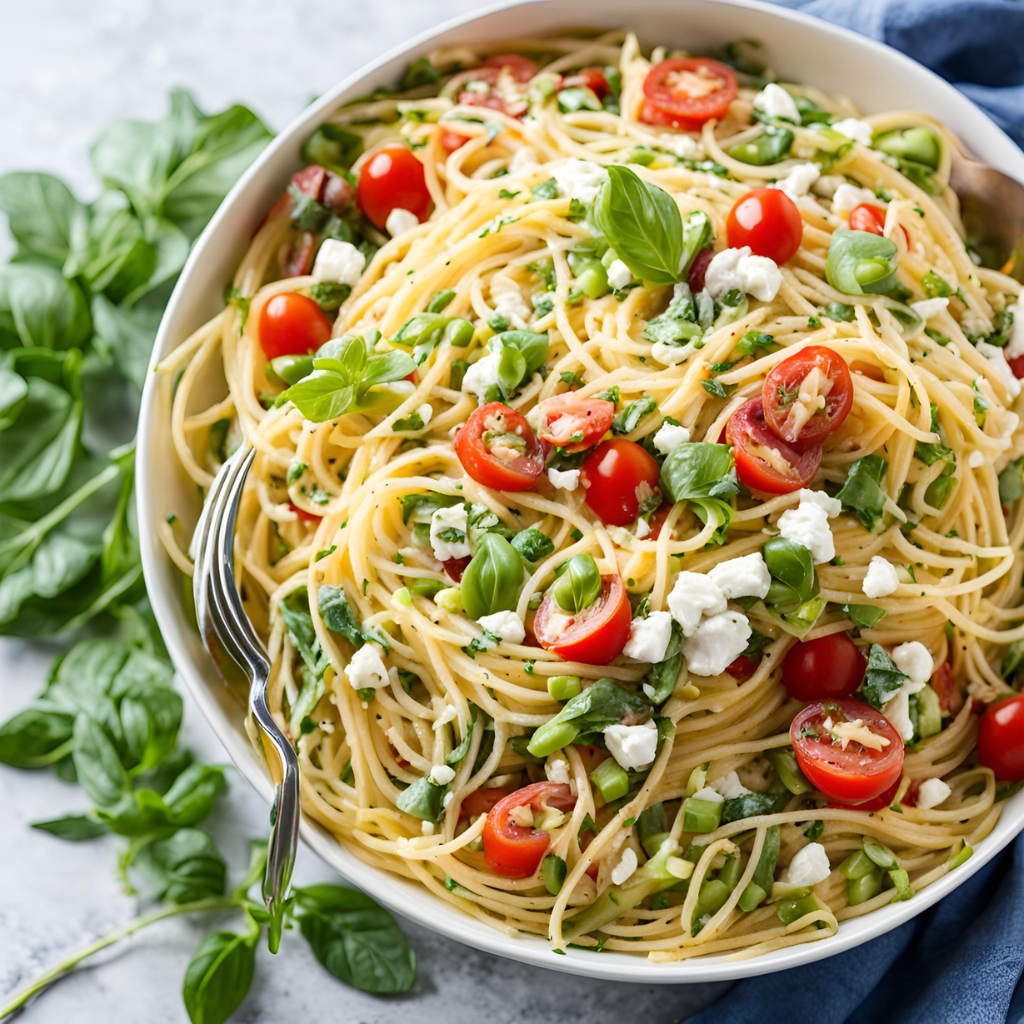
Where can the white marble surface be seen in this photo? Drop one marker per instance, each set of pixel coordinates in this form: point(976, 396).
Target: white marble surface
point(68, 68)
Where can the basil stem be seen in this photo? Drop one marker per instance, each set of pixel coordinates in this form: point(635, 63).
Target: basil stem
point(579, 585)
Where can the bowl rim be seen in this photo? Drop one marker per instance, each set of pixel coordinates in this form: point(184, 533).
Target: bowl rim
point(408, 898)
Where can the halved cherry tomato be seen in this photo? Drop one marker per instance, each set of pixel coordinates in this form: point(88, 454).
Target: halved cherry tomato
point(876, 803)
point(522, 69)
point(871, 218)
point(306, 517)
point(291, 324)
point(480, 801)
point(516, 472)
point(764, 462)
point(296, 258)
point(768, 221)
point(698, 270)
point(826, 667)
point(392, 179)
point(687, 91)
point(808, 396)
point(326, 187)
point(567, 416)
point(657, 522)
point(515, 851)
point(451, 141)
point(950, 697)
point(1017, 367)
point(1001, 738)
point(742, 668)
point(616, 477)
point(591, 78)
point(857, 773)
point(455, 567)
point(595, 635)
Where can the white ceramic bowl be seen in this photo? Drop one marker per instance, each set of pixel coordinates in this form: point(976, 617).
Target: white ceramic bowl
point(799, 48)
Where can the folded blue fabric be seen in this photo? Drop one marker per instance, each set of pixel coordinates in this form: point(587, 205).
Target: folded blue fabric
point(961, 961)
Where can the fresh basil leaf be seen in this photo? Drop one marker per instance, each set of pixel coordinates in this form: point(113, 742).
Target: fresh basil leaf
point(99, 768)
point(705, 475)
point(771, 146)
point(680, 323)
point(533, 346)
point(882, 679)
point(42, 213)
point(748, 805)
point(35, 737)
point(860, 263)
point(532, 544)
point(420, 72)
point(39, 308)
point(866, 616)
point(74, 828)
point(219, 976)
point(629, 418)
point(183, 868)
point(127, 332)
point(332, 146)
point(355, 939)
point(863, 491)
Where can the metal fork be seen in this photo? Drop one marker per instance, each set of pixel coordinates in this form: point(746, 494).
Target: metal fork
point(225, 627)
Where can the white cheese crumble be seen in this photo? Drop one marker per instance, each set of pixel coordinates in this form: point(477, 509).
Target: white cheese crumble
point(931, 793)
point(399, 221)
point(774, 101)
point(693, 595)
point(1015, 346)
point(747, 576)
point(808, 867)
point(671, 355)
point(448, 715)
point(847, 197)
point(340, 262)
point(441, 774)
point(513, 307)
point(557, 769)
point(625, 867)
point(976, 460)
point(649, 638)
point(366, 668)
point(482, 375)
point(564, 479)
point(997, 360)
point(974, 323)
point(729, 786)
point(669, 437)
point(897, 711)
point(798, 180)
point(453, 518)
point(854, 128)
point(619, 275)
point(579, 179)
point(523, 159)
point(679, 145)
point(632, 746)
point(506, 625)
point(709, 794)
point(425, 413)
point(427, 828)
point(927, 308)
point(716, 643)
point(642, 528)
point(807, 524)
point(881, 579)
point(914, 660)
point(739, 268)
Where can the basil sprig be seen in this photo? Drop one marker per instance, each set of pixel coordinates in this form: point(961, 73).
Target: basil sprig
point(860, 263)
point(578, 584)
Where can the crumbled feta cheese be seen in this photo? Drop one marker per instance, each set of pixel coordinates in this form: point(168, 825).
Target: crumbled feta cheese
point(1015, 346)
point(619, 275)
point(881, 579)
point(808, 867)
point(730, 786)
point(931, 793)
point(564, 479)
point(366, 668)
point(448, 715)
point(669, 437)
point(798, 180)
point(914, 660)
point(506, 625)
point(974, 323)
point(679, 145)
point(632, 746)
point(648, 638)
point(427, 828)
point(399, 221)
point(514, 308)
point(340, 262)
point(579, 179)
point(716, 643)
point(425, 413)
point(847, 197)
point(441, 774)
point(642, 528)
point(693, 595)
point(482, 375)
point(832, 506)
point(927, 308)
point(448, 798)
point(738, 268)
point(523, 159)
point(976, 460)
point(997, 359)
point(807, 524)
point(453, 518)
point(827, 185)
point(709, 794)
point(897, 710)
point(625, 867)
point(774, 101)
point(854, 128)
point(747, 576)
point(671, 355)
point(557, 770)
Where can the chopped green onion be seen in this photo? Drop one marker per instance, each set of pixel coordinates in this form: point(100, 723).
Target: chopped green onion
point(701, 815)
point(552, 873)
point(564, 687)
point(611, 780)
point(865, 887)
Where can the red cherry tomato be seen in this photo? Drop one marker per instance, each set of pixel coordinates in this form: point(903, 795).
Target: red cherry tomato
point(515, 851)
point(1001, 738)
point(451, 141)
point(480, 801)
point(521, 68)
point(1017, 366)
point(875, 803)
point(657, 523)
point(306, 517)
point(687, 91)
point(826, 378)
point(763, 461)
point(942, 682)
point(392, 179)
point(568, 416)
point(591, 78)
point(768, 221)
point(326, 187)
point(699, 269)
point(829, 666)
point(616, 476)
point(857, 773)
point(291, 324)
point(742, 668)
point(297, 258)
point(871, 218)
point(516, 472)
point(596, 635)
point(455, 567)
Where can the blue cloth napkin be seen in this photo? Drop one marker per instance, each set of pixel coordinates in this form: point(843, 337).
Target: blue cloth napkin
point(961, 961)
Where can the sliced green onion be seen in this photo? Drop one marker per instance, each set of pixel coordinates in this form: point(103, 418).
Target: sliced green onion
point(856, 865)
point(564, 687)
point(552, 873)
point(864, 888)
point(964, 855)
point(901, 882)
point(783, 761)
point(752, 897)
point(880, 854)
point(701, 815)
point(611, 780)
point(790, 910)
